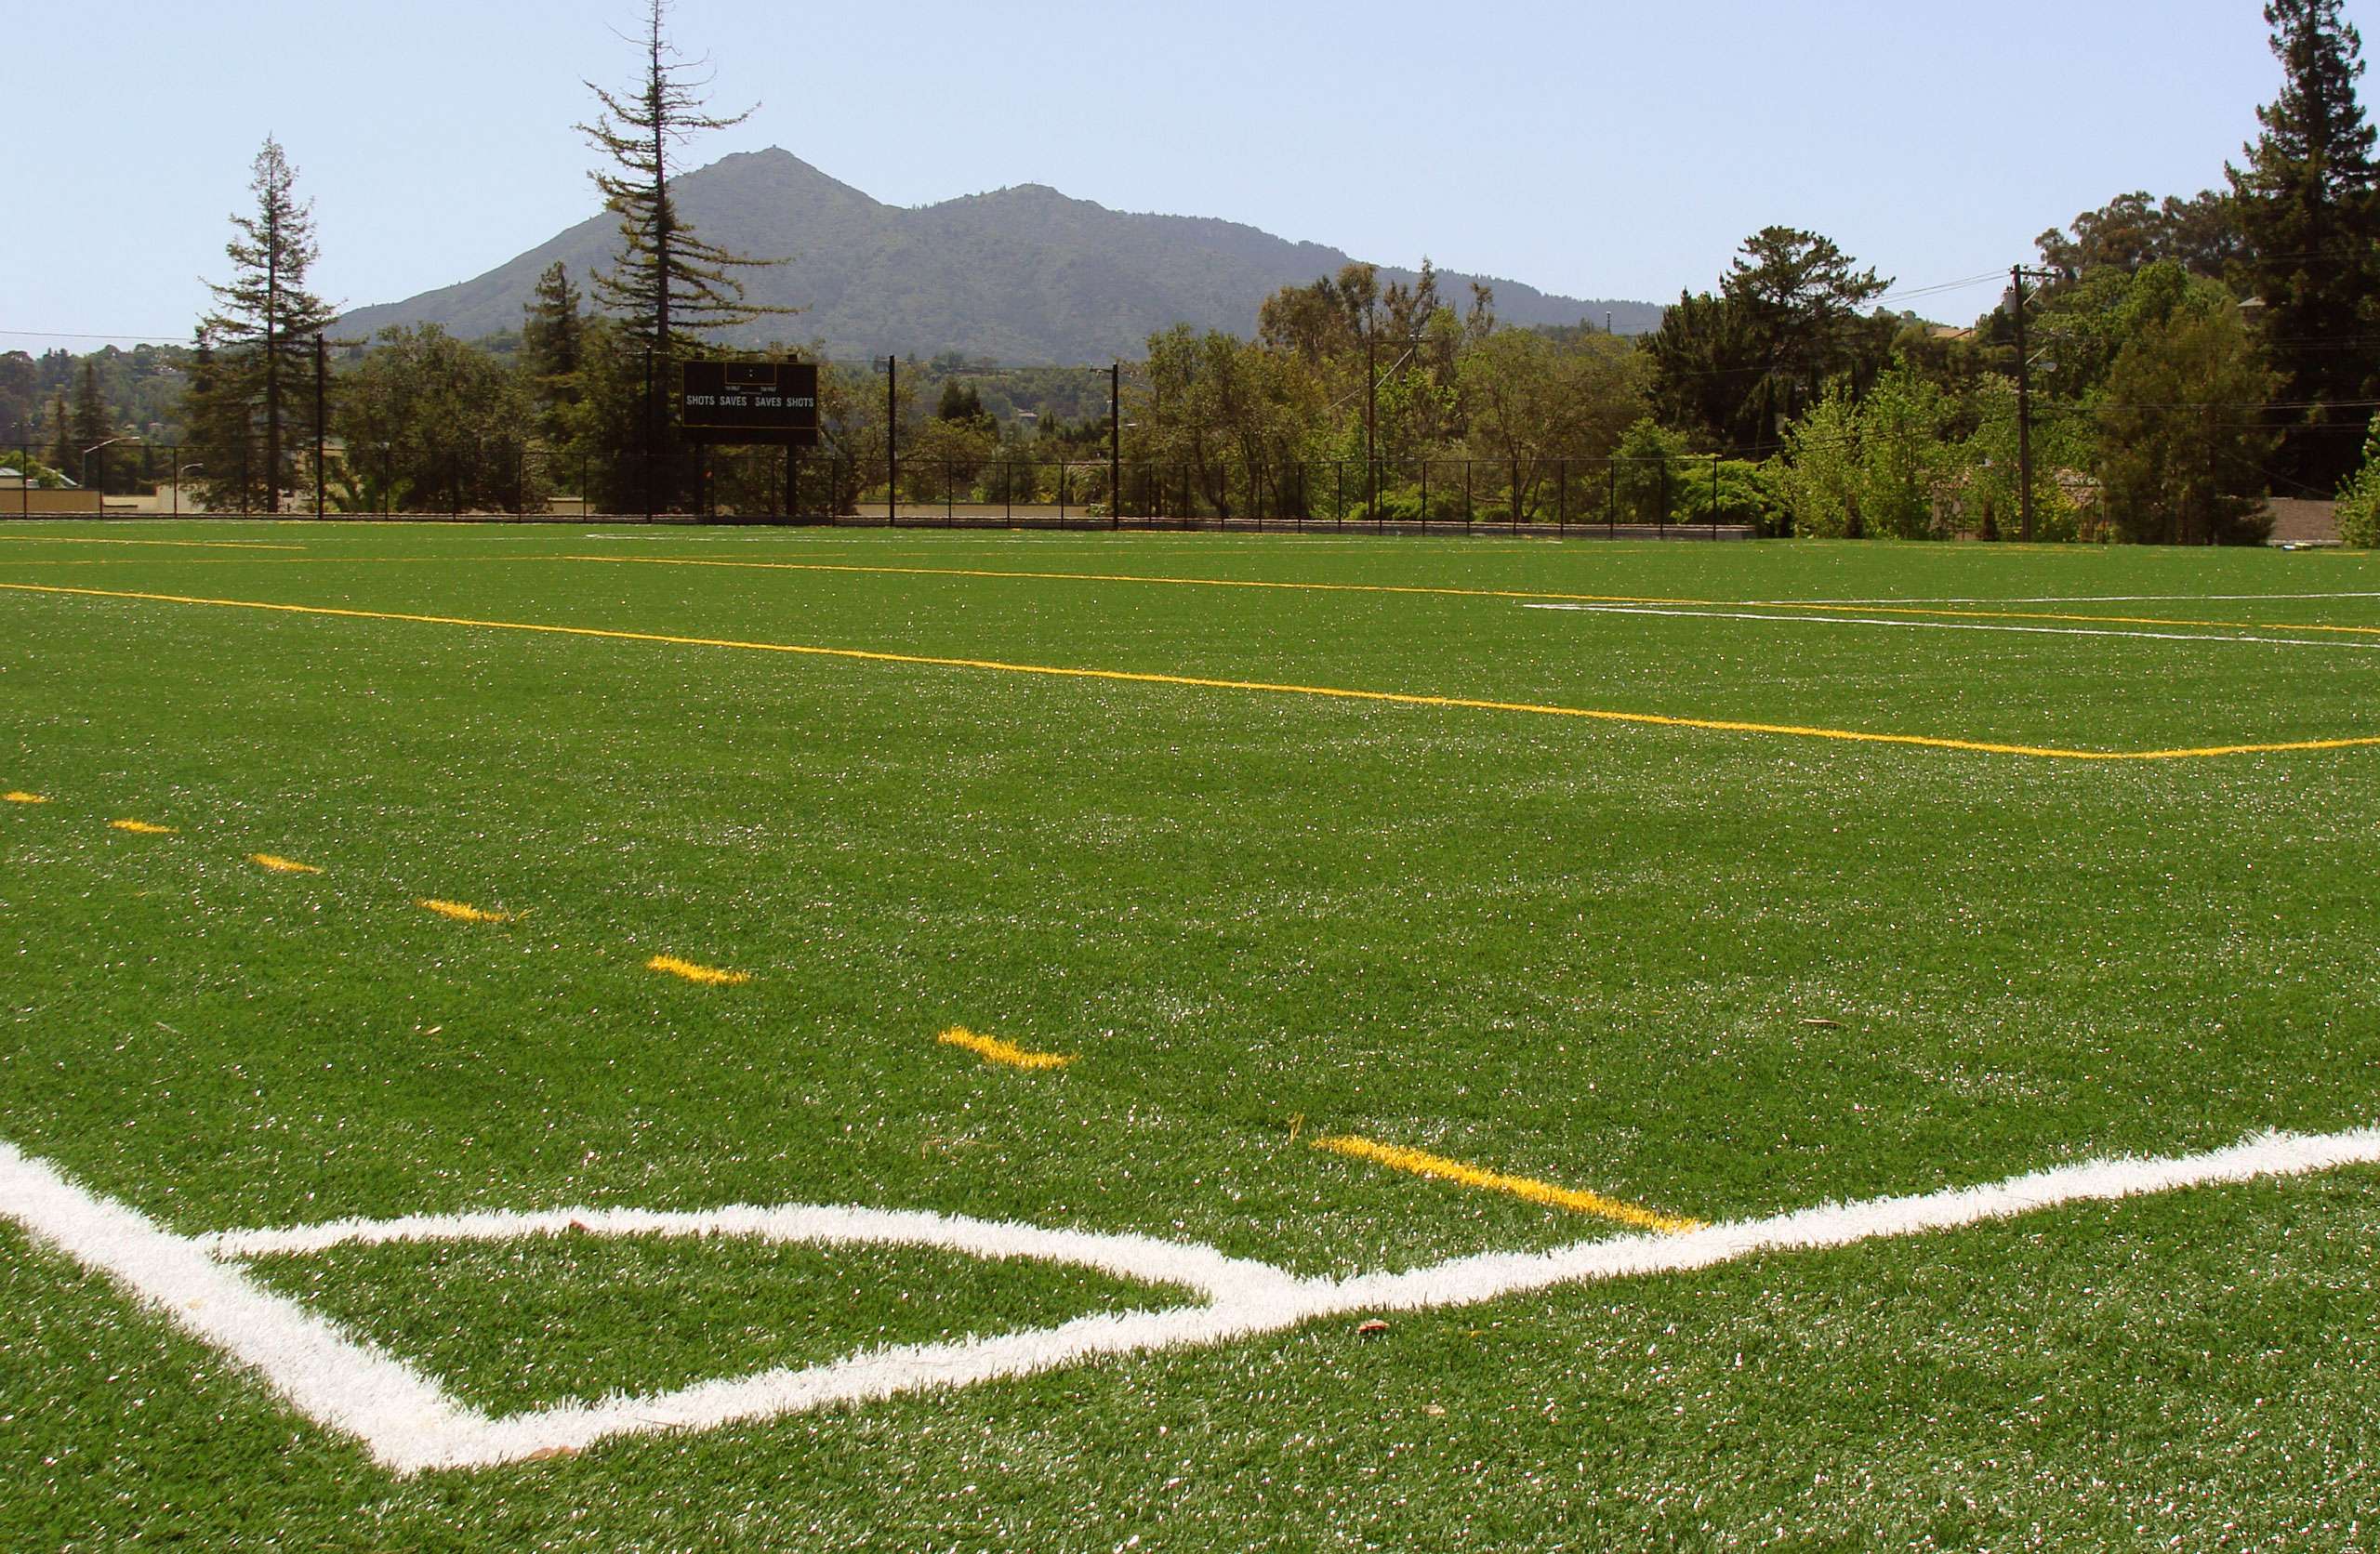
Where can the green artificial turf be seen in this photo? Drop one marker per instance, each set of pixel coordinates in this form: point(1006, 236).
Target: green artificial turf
point(1718, 974)
point(549, 1319)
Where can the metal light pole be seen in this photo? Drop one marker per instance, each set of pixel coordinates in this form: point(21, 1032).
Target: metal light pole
point(83, 463)
point(1371, 418)
point(1372, 413)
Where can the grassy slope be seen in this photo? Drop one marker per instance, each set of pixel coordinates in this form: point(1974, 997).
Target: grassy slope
point(1577, 951)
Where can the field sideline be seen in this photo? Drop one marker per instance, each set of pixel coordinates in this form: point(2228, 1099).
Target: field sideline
point(1115, 935)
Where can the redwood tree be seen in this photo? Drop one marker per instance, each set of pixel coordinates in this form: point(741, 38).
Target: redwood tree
point(2306, 206)
point(262, 336)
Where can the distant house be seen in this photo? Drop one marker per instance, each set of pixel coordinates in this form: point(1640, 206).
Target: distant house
point(2296, 520)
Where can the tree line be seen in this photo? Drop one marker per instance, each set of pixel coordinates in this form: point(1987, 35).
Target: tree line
point(2183, 358)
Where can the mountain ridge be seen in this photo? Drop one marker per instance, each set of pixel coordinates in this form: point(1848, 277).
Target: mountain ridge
point(1024, 274)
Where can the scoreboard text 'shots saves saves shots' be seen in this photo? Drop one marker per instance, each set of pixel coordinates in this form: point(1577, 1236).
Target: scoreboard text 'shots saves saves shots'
point(751, 402)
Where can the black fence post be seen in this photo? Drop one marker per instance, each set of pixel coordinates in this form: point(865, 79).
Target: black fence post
point(1466, 496)
point(1611, 498)
point(322, 373)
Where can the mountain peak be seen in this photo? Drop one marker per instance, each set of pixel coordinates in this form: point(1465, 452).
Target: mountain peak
point(770, 173)
point(1027, 274)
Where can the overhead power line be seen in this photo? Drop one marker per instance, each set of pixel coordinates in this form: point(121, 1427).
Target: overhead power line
point(158, 334)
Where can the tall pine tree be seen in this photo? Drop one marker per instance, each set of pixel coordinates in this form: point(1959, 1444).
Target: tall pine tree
point(262, 335)
point(552, 344)
point(2306, 206)
point(218, 433)
point(89, 423)
point(666, 280)
point(61, 436)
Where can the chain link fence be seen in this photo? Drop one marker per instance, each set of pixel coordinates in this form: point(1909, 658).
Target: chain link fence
point(1680, 497)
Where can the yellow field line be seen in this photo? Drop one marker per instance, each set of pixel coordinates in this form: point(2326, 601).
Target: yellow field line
point(463, 914)
point(1135, 577)
point(186, 545)
point(141, 827)
point(20, 796)
point(709, 976)
point(1430, 590)
point(1445, 592)
point(1398, 1158)
point(1136, 677)
point(279, 865)
point(993, 1049)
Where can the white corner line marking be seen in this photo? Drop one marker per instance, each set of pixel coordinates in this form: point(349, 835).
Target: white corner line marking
point(411, 1424)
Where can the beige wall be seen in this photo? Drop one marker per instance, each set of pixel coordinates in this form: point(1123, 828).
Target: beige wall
point(17, 502)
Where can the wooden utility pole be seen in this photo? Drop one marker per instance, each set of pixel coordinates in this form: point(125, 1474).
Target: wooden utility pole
point(2023, 414)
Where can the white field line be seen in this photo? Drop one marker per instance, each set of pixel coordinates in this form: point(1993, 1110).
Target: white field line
point(1952, 626)
point(411, 1424)
point(322, 1372)
point(2079, 598)
point(1202, 1269)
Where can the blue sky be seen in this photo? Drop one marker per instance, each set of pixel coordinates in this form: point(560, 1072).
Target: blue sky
point(1590, 149)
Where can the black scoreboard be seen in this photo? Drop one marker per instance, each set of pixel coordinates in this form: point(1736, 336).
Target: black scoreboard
point(751, 402)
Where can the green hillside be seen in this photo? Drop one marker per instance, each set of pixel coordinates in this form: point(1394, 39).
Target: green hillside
point(1025, 275)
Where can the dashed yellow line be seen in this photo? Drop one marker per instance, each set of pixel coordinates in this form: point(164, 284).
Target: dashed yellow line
point(462, 913)
point(993, 1049)
point(279, 865)
point(1135, 677)
point(709, 976)
point(143, 827)
point(1420, 1163)
point(18, 795)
